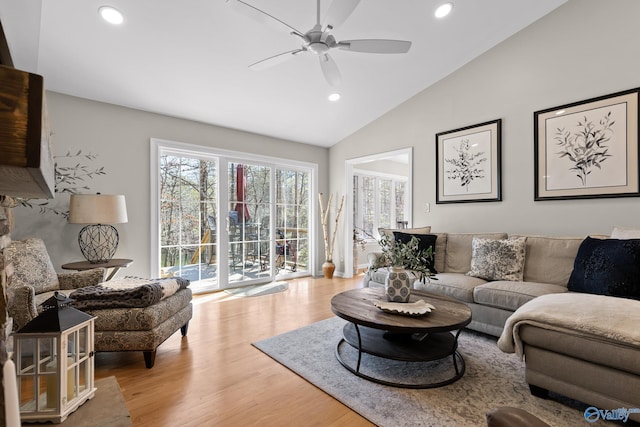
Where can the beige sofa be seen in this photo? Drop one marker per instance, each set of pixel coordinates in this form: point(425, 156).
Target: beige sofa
point(580, 345)
point(548, 264)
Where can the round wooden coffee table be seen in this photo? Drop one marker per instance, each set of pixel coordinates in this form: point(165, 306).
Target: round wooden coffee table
point(406, 338)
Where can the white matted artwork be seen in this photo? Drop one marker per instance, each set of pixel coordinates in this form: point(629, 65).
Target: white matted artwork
point(588, 149)
point(468, 164)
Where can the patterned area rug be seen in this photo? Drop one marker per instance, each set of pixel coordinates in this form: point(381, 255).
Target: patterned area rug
point(492, 378)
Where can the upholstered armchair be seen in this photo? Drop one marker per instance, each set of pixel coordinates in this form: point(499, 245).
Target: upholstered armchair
point(34, 279)
point(119, 325)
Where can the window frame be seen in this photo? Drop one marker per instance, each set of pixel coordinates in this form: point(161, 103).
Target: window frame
point(222, 157)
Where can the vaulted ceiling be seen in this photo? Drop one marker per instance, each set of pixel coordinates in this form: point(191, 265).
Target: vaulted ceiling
point(189, 59)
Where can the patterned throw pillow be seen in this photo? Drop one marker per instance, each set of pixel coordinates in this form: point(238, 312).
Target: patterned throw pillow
point(498, 259)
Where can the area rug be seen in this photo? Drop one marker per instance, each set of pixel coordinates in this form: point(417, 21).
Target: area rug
point(258, 290)
point(492, 379)
point(106, 409)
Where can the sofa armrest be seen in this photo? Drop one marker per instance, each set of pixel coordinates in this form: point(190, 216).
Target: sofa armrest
point(375, 260)
point(21, 305)
point(80, 279)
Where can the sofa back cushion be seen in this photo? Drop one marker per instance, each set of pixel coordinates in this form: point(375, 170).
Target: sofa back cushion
point(458, 253)
point(31, 265)
point(415, 230)
point(549, 259)
point(440, 252)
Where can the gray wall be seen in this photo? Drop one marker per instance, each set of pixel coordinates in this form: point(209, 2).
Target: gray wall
point(120, 137)
point(583, 49)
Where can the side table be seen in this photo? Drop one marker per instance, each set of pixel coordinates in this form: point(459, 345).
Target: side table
point(114, 264)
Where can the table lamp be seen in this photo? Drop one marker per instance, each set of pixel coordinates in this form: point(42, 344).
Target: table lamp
point(99, 240)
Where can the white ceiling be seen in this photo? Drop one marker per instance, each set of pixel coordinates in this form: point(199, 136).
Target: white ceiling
point(189, 58)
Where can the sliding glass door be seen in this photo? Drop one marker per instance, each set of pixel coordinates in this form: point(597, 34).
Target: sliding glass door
point(226, 221)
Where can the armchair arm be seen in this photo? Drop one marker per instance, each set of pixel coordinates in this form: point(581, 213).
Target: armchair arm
point(21, 305)
point(376, 260)
point(80, 279)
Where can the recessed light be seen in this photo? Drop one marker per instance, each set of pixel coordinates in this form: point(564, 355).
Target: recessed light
point(334, 97)
point(443, 10)
point(111, 15)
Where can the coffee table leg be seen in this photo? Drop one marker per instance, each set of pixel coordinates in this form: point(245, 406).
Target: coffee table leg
point(359, 347)
point(455, 350)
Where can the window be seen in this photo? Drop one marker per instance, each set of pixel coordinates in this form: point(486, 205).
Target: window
point(224, 219)
point(380, 200)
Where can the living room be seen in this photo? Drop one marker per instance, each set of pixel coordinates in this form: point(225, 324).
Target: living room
point(581, 50)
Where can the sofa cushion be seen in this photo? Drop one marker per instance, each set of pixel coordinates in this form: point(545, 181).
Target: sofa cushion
point(498, 259)
point(549, 259)
point(458, 253)
point(440, 251)
point(453, 285)
point(509, 295)
point(415, 230)
point(597, 349)
point(425, 242)
point(141, 318)
point(31, 265)
point(625, 233)
point(607, 267)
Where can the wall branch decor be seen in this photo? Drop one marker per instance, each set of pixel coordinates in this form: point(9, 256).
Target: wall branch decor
point(588, 149)
point(468, 164)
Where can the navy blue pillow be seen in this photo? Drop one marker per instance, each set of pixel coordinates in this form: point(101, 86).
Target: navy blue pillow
point(425, 241)
point(607, 267)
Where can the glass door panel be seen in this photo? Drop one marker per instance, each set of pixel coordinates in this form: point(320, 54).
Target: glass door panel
point(292, 221)
point(227, 223)
point(249, 208)
point(188, 232)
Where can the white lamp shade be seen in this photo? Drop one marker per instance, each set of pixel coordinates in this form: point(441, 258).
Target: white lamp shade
point(97, 209)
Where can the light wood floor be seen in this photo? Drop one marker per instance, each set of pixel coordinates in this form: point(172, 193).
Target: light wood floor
point(215, 377)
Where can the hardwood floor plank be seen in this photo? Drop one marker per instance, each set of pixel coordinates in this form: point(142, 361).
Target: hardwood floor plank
point(215, 377)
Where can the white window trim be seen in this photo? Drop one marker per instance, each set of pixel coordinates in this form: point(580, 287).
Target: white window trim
point(207, 153)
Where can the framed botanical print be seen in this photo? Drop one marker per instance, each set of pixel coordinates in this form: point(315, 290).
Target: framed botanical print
point(468, 164)
point(588, 149)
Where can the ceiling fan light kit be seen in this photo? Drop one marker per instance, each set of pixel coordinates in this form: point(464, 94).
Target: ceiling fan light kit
point(319, 39)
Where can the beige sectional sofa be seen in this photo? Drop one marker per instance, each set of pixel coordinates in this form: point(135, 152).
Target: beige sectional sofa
point(548, 264)
point(580, 345)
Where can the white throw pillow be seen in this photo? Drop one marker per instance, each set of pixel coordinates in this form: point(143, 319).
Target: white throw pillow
point(625, 233)
point(498, 259)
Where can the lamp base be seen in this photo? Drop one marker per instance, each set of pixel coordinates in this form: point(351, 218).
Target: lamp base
point(98, 242)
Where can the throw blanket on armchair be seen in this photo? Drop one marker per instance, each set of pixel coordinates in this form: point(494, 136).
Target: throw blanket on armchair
point(127, 292)
point(576, 314)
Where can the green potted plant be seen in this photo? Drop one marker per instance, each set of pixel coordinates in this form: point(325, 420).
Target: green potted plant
point(403, 258)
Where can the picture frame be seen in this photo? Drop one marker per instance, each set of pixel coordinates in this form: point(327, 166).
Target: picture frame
point(588, 149)
point(468, 164)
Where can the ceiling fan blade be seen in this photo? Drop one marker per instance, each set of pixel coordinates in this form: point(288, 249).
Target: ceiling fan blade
point(330, 70)
point(274, 60)
point(263, 17)
point(339, 11)
point(375, 46)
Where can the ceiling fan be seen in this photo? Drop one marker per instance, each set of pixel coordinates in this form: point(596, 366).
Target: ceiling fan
point(319, 40)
